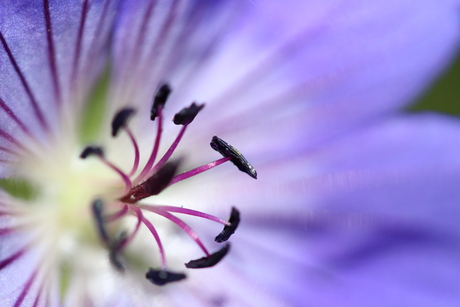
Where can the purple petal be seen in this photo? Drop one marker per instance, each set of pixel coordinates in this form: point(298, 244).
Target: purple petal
point(326, 66)
point(332, 67)
point(19, 271)
point(383, 220)
point(47, 52)
point(417, 159)
point(330, 264)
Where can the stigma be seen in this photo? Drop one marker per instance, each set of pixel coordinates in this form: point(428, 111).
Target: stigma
point(150, 180)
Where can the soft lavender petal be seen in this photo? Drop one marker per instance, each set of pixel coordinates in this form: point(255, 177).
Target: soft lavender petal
point(317, 75)
point(325, 65)
point(18, 273)
point(327, 264)
point(399, 156)
point(45, 59)
point(373, 223)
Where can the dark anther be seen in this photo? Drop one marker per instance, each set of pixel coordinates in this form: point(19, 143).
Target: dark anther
point(210, 260)
point(234, 220)
point(120, 240)
point(159, 100)
point(154, 185)
point(162, 277)
point(91, 150)
point(114, 258)
point(98, 208)
point(114, 255)
point(187, 115)
point(236, 157)
point(120, 120)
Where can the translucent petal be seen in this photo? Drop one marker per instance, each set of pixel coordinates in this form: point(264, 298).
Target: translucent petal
point(286, 74)
point(48, 53)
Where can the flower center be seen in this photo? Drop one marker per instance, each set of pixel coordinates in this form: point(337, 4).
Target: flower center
point(152, 180)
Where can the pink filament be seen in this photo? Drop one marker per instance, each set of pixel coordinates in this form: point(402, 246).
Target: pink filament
point(136, 152)
point(198, 170)
point(117, 215)
point(170, 151)
point(153, 156)
point(125, 177)
point(189, 212)
point(153, 231)
point(125, 242)
point(181, 224)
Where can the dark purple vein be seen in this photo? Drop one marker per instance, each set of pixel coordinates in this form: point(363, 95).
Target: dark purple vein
point(81, 27)
point(37, 299)
point(5, 262)
point(5, 231)
point(52, 52)
point(141, 34)
point(11, 139)
point(43, 289)
point(92, 52)
point(26, 289)
point(33, 101)
point(212, 44)
point(14, 117)
point(8, 150)
point(163, 33)
point(167, 25)
point(195, 16)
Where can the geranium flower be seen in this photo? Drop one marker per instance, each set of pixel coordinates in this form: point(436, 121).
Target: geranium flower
point(104, 199)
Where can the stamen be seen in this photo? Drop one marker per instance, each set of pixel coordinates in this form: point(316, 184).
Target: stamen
point(210, 260)
point(184, 117)
point(97, 209)
point(187, 115)
point(236, 157)
point(117, 215)
point(154, 185)
point(198, 170)
point(121, 119)
point(114, 255)
point(120, 122)
point(192, 234)
point(92, 150)
point(114, 258)
point(188, 212)
point(169, 152)
point(159, 101)
point(159, 177)
point(124, 240)
point(136, 152)
point(161, 277)
point(154, 232)
point(156, 146)
point(233, 221)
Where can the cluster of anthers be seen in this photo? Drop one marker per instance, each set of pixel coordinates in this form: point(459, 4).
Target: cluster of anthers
point(153, 179)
